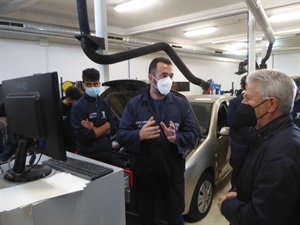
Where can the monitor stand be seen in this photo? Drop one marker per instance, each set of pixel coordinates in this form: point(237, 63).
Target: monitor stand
point(22, 173)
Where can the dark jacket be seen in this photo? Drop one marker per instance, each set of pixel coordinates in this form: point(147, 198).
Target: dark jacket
point(158, 165)
point(97, 111)
point(268, 186)
point(296, 113)
point(238, 135)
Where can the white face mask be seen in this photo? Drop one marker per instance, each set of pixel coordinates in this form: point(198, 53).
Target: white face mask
point(164, 85)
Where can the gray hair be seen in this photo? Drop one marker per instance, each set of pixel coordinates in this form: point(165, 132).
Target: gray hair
point(273, 83)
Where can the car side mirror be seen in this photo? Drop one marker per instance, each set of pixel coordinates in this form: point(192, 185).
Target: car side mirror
point(224, 131)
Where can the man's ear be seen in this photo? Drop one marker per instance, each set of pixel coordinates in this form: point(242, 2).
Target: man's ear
point(273, 104)
point(150, 77)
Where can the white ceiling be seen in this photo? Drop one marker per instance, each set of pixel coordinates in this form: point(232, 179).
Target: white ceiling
point(164, 21)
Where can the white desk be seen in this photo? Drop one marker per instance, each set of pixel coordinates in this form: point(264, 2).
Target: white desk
point(101, 202)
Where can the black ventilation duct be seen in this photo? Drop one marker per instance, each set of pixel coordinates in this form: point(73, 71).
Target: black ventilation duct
point(91, 46)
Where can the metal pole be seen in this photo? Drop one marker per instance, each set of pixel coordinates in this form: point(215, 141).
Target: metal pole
point(251, 43)
point(101, 31)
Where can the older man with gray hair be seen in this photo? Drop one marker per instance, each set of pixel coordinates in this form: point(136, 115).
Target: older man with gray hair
point(268, 185)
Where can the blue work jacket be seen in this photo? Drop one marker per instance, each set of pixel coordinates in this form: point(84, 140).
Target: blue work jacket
point(158, 165)
point(96, 110)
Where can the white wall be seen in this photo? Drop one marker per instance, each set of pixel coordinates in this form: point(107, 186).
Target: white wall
point(22, 58)
point(288, 63)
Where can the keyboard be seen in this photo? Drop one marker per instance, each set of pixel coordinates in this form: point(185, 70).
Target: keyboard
point(86, 170)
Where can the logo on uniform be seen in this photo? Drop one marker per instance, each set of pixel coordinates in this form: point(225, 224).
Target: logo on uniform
point(176, 126)
point(93, 115)
point(297, 116)
point(103, 115)
point(140, 124)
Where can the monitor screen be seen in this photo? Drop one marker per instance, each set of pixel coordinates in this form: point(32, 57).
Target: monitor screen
point(32, 105)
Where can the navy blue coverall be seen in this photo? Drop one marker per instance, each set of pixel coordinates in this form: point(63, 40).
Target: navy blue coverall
point(158, 165)
point(96, 110)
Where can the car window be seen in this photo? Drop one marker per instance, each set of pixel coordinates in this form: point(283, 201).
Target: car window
point(222, 116)
point(202, 112)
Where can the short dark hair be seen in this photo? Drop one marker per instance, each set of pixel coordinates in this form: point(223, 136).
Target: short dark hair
point(74, 93)
point(90, 74)
point(243, 82)
point(153, 64)
point(297, 81)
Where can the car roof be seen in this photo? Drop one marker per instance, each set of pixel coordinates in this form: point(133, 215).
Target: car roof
point(208, 98)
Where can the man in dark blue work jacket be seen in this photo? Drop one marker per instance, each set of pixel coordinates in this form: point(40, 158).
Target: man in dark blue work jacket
point(296, 108)
point(72, 94)
point(238, 134)
point(92, 120)
point(157, 127)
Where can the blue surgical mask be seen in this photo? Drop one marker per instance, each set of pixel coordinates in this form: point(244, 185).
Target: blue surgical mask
point(93, 91)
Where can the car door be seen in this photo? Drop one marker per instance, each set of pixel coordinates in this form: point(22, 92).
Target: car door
point(223, 142)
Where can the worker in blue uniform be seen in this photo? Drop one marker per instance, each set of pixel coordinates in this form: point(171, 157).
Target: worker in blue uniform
point(238, 135)
point(296, 108)
point(72, 94)
point(157, 127)
point(92, 120)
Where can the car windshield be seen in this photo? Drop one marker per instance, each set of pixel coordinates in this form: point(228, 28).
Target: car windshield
point(203, 113)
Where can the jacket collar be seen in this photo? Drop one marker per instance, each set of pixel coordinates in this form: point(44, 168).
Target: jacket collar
point(168, 99)
point(89, 98)
point(270, 129)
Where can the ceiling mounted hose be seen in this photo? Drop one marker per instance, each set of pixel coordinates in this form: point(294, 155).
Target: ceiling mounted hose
point(92, 44)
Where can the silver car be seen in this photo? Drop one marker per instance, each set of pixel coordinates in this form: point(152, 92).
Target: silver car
point(206, 165)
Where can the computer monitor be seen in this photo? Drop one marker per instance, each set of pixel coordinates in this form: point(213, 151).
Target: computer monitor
point(32, 105)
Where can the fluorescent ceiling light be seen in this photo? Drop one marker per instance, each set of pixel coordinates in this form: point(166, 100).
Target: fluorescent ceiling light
point(198, 32)
point(133, 5)
point(288, 31)
point(285, 17)
point(235, 40)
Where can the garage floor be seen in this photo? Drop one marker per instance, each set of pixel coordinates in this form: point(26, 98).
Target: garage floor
point(214, 217)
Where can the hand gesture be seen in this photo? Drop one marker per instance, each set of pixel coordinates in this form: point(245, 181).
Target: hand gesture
point(150, 130)
point(170, 131)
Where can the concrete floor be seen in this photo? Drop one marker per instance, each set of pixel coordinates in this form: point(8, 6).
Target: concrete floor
point(214, 217)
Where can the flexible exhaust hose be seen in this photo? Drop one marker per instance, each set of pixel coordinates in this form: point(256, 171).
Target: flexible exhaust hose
point(90, 48)
point(263, 61)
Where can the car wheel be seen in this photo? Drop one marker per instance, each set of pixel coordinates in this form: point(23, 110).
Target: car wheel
point(202, 198)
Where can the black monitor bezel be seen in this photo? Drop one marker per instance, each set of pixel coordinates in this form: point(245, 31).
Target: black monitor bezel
point(44, 95)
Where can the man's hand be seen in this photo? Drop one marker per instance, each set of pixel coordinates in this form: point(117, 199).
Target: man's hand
point(99, 131)
point(229, 195)
point(221, 200)
point(170, 131)
point(87, 124)
point(150, 130)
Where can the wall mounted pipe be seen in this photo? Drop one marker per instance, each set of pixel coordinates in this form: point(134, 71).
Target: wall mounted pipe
point(91, 46)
